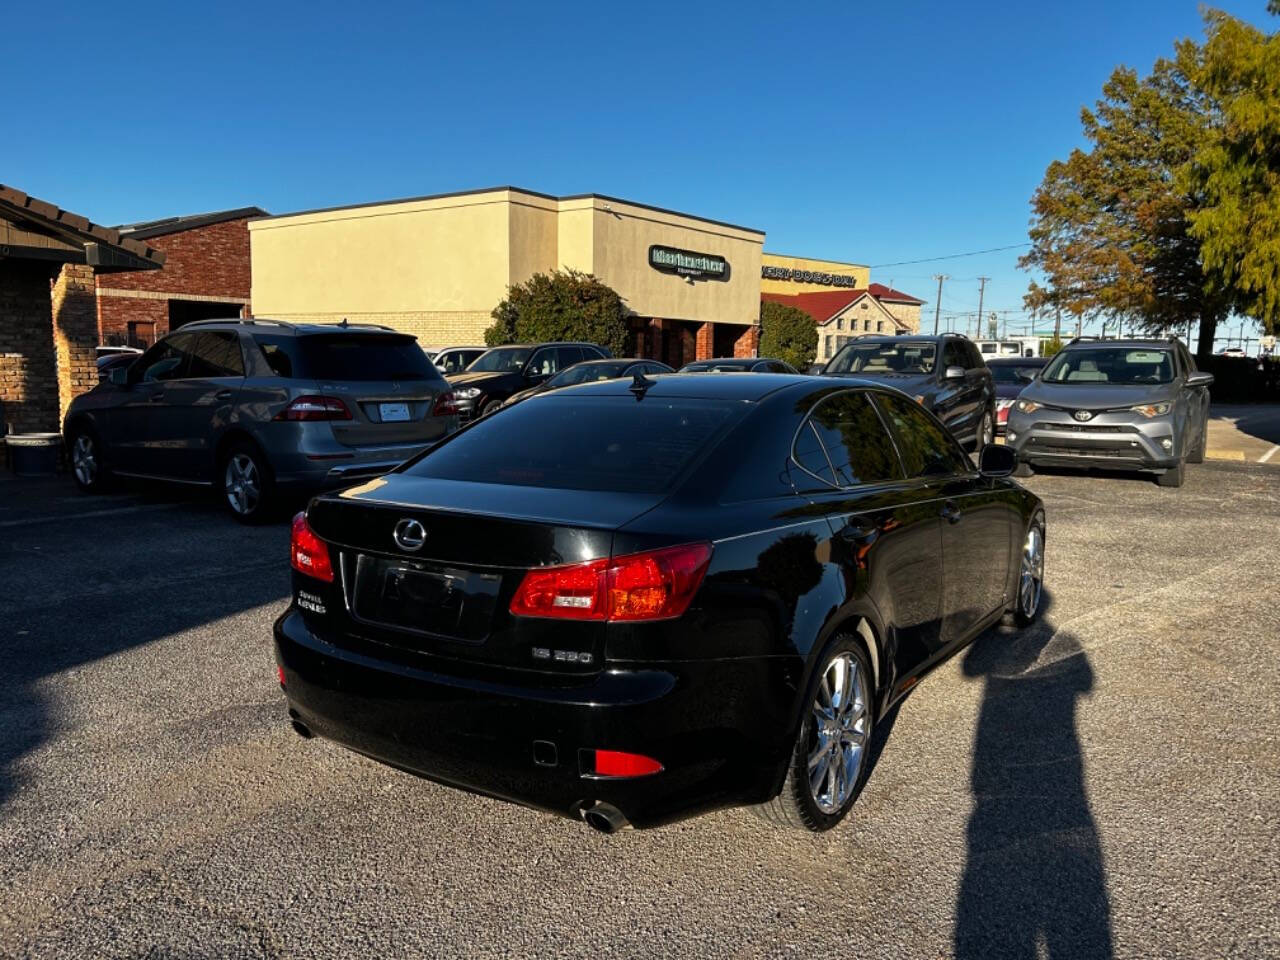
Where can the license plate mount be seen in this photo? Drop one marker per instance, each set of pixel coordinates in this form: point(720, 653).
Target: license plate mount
point(393, 412)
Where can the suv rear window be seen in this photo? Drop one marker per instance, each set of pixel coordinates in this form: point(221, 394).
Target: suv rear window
point(610, 444)
point(363, 357)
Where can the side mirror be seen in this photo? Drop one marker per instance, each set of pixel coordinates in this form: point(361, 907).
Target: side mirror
point(1200, 379)
point(119, 376)
point(953, 373)
point(997, 460)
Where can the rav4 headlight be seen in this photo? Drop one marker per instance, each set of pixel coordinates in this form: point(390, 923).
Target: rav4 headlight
point(1028, 406)
point(1152, 409)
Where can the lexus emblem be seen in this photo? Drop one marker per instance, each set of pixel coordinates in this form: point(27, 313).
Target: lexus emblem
point(1083, 415)
point(410, 535)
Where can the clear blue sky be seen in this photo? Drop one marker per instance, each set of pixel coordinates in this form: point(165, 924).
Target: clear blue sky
point(871, 133)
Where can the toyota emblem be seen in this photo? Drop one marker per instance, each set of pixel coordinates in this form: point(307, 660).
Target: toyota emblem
point(1083, 415)
point(410, 535)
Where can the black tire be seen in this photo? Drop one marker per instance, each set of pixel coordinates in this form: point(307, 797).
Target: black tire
point(986, 431)
point(1173, 476)
point(1023, 469)
point(88, 465)
point(1197, 455)
point(491, 405)
point(1022, 613)
point(796, 806)
point(245, 484)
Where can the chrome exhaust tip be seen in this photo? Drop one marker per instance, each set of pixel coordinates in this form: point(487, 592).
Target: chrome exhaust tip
point(604, 817)
point(301, 729)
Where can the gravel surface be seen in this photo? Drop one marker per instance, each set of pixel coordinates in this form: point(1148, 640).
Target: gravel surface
point(1106, 783)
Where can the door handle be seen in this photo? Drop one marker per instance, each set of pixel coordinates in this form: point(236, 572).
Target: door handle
point(951, 513)
point(155, 397)
point(223, 395)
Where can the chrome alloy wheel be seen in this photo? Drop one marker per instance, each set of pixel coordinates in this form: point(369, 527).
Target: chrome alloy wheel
point(242, 484)
point(1032, 572)
point(84, 460)
point(838, 742)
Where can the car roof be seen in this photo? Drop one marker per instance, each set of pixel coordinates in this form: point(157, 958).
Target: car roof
point(1015, 361)
point(1129, 342)
point(757, 386)
point(287, 328)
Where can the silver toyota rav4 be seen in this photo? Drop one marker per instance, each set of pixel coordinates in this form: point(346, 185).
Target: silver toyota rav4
point(257, 407)
point(1114, 404)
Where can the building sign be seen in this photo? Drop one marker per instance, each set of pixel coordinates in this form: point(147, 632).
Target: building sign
point(686, 263)
point(808, 276)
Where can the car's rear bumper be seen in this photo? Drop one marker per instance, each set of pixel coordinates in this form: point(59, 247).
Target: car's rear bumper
point(714, 725)
point(327, 468)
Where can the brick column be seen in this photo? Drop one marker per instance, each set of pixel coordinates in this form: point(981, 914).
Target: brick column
point(706, 342)
point(748, 343)
point(75, 333)
point(28, 383)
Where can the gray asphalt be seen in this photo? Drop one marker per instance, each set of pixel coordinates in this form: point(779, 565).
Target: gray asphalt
point(1106, 783)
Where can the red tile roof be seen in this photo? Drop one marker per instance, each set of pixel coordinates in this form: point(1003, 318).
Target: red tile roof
point(822, 305)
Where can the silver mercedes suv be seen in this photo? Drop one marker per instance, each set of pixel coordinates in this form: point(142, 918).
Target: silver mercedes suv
point(258, 407)
point(1114, 404)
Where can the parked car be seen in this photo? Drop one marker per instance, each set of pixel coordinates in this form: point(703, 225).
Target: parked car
point(1114, 404)
point(453, 360)
point(738, 365)
point(632, 605)
point(110, 361)
point(1232, 352)
point(589, 371)
point(498, 373)
point(1010, 375)
point(255, 407)
point(945, 374)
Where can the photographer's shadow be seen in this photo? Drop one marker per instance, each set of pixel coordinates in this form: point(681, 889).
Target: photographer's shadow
point(1034, 883)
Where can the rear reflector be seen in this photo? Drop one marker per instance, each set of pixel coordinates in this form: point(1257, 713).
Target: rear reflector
point(655, 585)
point(616, 763)
point(446, 405)
point(280, 676)
point(308, 553)
point(315, 408)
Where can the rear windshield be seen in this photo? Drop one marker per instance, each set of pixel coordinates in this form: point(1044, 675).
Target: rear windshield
point(360, 356)
point(612, 444)
point(1123, 365)
point(883, 357)
point(587, 373)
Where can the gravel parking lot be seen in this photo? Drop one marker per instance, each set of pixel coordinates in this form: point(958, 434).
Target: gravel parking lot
point(1106, 783)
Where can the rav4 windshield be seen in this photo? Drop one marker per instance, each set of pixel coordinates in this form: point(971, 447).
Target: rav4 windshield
point(883, 357)
point(611, 444)
point(1113, 365)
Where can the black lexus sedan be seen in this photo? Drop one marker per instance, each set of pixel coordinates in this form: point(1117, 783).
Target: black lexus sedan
point(635, 601)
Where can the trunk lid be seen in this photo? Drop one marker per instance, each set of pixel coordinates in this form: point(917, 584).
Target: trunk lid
point(451, 596)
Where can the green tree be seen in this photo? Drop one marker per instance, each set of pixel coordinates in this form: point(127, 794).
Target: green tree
point(561, 305)
point(1110, 229)
point(788, 333)
point(1238, 172)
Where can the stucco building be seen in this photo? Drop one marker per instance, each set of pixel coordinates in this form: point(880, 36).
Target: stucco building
point(437, 266)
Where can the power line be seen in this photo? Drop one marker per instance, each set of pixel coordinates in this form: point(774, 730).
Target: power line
point(949, 256)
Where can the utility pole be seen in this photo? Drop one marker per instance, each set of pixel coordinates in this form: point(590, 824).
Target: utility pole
point(982, 288)
point(1057, 325)
point(937, 307)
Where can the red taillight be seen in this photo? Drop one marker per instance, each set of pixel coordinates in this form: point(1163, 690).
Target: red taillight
point(315, 408)
point(446, 405)
point(308, 553)
point(280, 676)
point(656, 585)
point(616, 763)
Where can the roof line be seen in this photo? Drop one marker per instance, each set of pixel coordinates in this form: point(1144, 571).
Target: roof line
point(511, 189)
point(158, 228)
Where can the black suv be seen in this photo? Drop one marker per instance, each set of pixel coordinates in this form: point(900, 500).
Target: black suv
point(503, 371)
point(945, 374)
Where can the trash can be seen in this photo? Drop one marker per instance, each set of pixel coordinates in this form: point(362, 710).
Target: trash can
point(34, 454)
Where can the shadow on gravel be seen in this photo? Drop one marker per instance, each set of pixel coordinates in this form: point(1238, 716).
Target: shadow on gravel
point(1034, 883)
point(129, 570)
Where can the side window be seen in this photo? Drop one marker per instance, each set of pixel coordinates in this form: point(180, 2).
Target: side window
point(167, 360)
point(808, 452)
point(544, 362)
point(216, 354)
point(927, 449)
point(275, 350)
point(569, 356)
point(953, 355)
point(975, 358)
point(855, 440)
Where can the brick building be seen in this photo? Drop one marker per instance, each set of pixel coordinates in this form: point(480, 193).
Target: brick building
point(50, 261)
point(205, 276)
